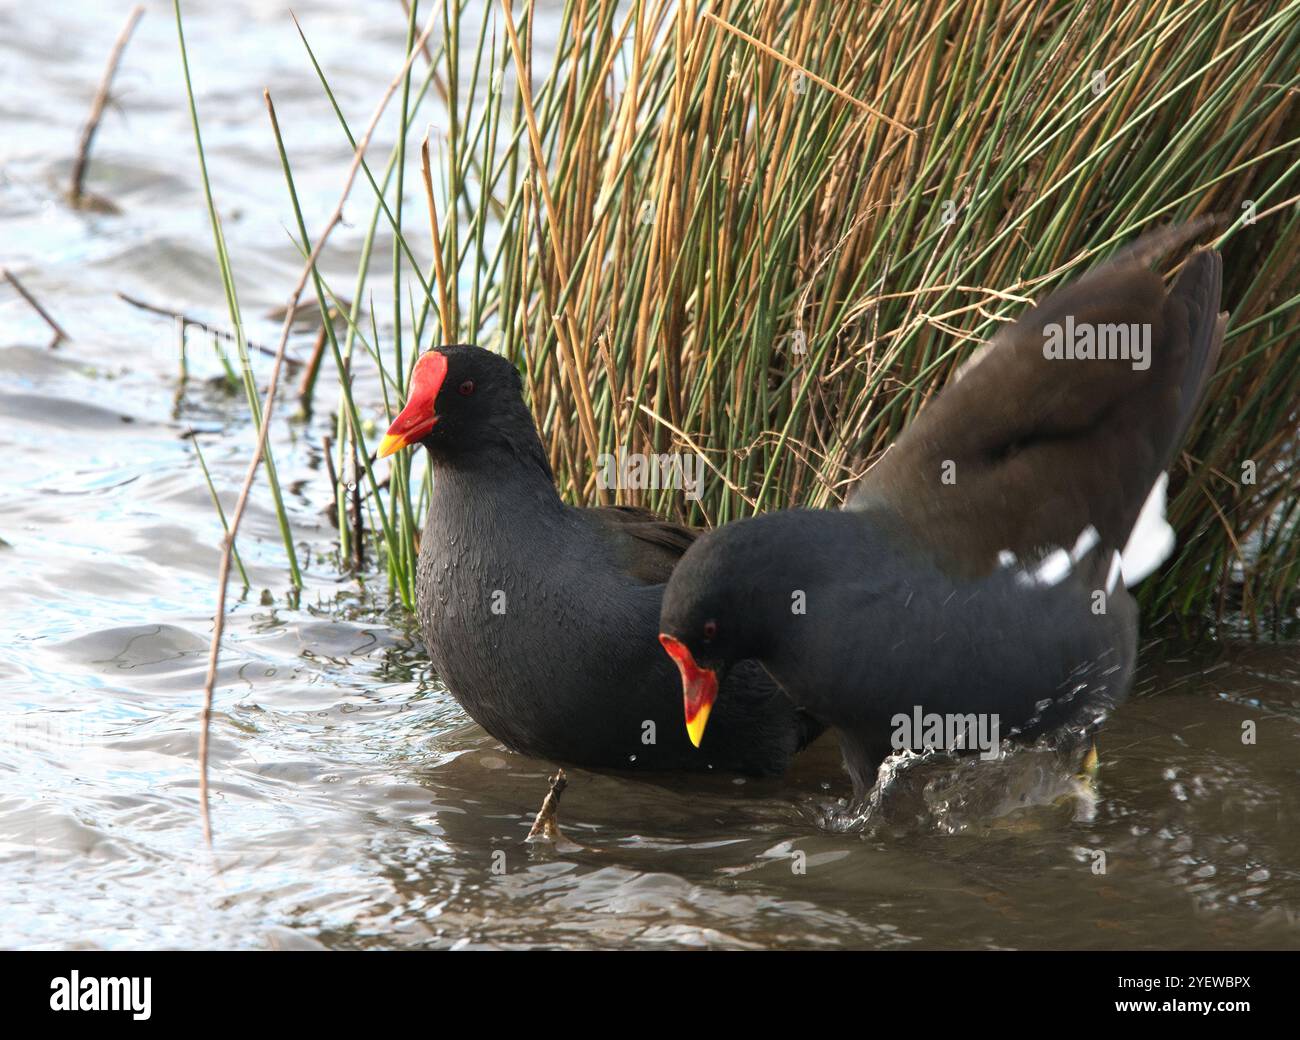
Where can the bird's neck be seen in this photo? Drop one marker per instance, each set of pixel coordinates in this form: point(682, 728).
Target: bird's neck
point(770, 569)
point(807, 574)
point(505, 469)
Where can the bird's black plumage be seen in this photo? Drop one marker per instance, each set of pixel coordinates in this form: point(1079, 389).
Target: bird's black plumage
point(541, 617)
point(976, 567)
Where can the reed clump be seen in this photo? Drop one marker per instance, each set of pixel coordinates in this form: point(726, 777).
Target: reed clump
point(769, 231)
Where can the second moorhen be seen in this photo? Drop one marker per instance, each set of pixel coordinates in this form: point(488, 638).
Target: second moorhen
point(978, 571)
point(541, 617)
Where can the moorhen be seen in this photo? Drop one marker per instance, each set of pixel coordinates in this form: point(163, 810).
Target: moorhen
point(541, 617)
point(977, 573)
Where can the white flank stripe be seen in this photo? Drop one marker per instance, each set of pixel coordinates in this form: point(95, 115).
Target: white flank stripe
point(1116, 568)
point(1056, 566)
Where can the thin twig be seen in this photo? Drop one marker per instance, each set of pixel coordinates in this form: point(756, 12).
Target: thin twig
point(75, 192)
point(444, 314)
point(690, 443)
point(223, 574)
point(439, 84)
point(188, 322)
point(193, 437)
point(772, 52)
point(12, 279)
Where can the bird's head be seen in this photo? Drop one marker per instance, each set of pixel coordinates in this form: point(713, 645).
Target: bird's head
point(705, 624)
point(459, 397)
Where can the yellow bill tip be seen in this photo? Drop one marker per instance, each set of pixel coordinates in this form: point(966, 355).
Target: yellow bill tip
point(389, 445)
point(695, 725)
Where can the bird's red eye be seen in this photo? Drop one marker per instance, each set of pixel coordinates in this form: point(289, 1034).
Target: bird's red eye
point(467, 388)
point(710, 629)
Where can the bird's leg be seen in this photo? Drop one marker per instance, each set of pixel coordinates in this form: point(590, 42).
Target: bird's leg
point(862, 759)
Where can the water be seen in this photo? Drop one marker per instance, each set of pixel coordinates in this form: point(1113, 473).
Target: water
point(354, 804)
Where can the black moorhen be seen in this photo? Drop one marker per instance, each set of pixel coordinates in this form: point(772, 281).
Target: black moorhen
point(978, 571)
point(541, 617)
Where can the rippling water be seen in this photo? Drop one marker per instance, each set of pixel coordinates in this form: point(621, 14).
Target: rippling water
point(354, 804)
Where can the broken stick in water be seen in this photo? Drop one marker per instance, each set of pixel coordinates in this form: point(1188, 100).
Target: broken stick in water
point(547, 825)
point(76, 192)
point(12, 279)
point(308, 383)
point(186, 323)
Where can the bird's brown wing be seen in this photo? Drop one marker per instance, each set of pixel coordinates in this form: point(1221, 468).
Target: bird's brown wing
point(1023, 452)
point(646, 545)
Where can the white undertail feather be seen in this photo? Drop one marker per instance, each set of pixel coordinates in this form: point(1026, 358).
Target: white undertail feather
point(1149, 545)
point(1152, 539)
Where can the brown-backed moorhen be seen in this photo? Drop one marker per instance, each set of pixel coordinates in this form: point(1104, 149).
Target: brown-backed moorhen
point(979, 570)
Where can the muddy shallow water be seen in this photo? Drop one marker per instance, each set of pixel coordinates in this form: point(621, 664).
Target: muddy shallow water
point(354, 803)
